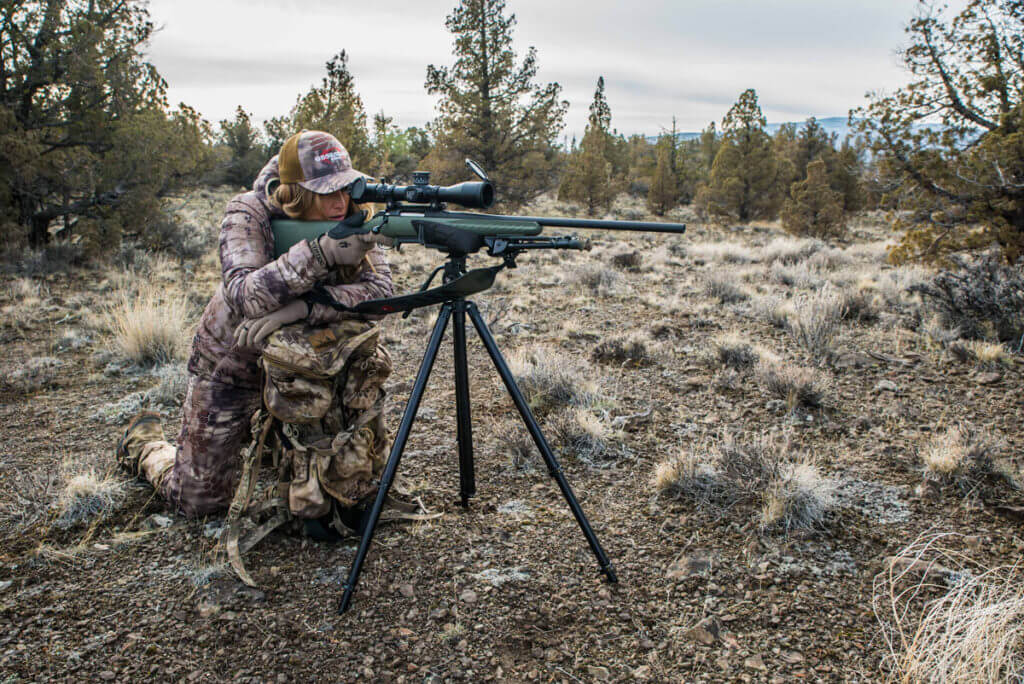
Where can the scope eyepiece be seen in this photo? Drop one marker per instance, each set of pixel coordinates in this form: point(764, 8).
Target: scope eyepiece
point(472, 194)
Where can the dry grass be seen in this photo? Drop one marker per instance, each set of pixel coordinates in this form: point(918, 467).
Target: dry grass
point(33, 375)
point(945, 618)
point(149, 328)
point(763, 472)
point(961, 457)
point(797, 498)
point(599, 280)
point(790, 250)
point(633, 349)
point(26, 500)
point(585, 436)
point(774, 310)
point(723, 287)
point(88, 496)
point(795, 385)
point(732, 351)
point(551, 382)
point(815, 322)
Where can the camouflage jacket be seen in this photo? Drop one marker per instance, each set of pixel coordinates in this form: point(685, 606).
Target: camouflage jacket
point(254, 284)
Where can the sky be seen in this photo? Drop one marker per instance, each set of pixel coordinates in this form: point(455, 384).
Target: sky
point(689, 59)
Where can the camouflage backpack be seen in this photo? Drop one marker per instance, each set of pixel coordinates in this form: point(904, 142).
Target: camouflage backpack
point(321, 427)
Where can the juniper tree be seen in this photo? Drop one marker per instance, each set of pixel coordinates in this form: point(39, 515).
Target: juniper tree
point(588, 179)
point(490, 107)
point(336, 107)
point(242, 148)
point(813, 208)
point(959, 185)
point(744, 176)
point(86, 137)
point(664, 192)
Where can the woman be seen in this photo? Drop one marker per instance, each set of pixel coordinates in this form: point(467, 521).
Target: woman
point(258, 294)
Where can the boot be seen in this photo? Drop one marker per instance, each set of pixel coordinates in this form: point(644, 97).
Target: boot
point(143, 428)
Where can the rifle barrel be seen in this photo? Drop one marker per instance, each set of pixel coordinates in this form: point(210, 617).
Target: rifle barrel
point(558, 222)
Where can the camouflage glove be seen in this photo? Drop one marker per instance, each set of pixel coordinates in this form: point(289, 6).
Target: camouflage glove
point(347, 248)
point(251, 332)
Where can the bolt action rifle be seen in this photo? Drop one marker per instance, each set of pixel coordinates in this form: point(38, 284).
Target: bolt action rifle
point(417, 214)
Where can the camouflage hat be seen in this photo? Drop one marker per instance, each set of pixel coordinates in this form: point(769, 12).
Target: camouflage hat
point(316, 161)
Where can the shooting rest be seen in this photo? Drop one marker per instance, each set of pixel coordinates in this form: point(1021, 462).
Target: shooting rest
point(458, 284)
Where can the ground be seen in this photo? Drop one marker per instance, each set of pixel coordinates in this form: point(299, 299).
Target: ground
point(508, 590)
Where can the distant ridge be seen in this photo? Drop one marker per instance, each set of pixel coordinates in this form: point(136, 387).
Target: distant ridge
point(840, 125)
point(832, 124)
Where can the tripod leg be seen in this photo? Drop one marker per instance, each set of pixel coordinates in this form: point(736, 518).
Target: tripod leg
point(538, 438)
point(467, 477)
point(388, 476)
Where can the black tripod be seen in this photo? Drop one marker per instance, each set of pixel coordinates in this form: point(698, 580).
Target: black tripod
point(453, 301)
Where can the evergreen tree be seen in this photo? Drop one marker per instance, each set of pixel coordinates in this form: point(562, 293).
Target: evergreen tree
point(814, 209)
point(491, 110)
point(589, 177)
point(244, 150)
point(959, 185)
point(664, 192)
point(335, 107)
point(744, 176)
point(710, 142)
point(86, 137)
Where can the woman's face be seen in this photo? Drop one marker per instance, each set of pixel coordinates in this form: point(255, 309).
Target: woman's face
point(330, 207)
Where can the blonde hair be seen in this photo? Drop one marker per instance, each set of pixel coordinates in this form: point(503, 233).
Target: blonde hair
point(293, 199)
point(296, 201)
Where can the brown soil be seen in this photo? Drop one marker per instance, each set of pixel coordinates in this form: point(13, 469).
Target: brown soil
point(126, 599)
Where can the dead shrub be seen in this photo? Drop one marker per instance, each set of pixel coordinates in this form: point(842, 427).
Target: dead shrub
point(762, 472)
point(796, 498)
point(148, 328)
point(788, 250)
point(600, 280)
point(733, 352)
point(774, 311)
point(630, 261)
point(550, 383)
point(724, 290)
point(632, 350)
point(947, 618)
point(38, 373)
point(88, 496)
point(983, 299)
point(585, 436)
point(795, 385)
point(964, 460)
point(28, 495)
point(815, 322)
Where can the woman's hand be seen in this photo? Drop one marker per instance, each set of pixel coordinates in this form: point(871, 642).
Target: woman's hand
point(251, 332)
point(348, 251)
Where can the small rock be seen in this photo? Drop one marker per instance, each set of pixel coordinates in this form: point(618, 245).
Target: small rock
point(212, 530)
point(642, 673)
point(406, 590)
point(107, 675)
point(755, 662)
point(468, 596)
point(438, 613)
point(6, 584)
point(903, 565)
point(853, 360)
point(600, 674)
point(792, 657)
point(990, 378)
point(160, 521)
point(688, 566)
point(886, 386)
point(706, 631)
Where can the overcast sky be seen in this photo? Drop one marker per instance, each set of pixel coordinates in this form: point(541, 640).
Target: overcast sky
point(689, 58)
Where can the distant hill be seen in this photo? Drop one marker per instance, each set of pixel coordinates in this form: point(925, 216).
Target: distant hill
point(840, 125)
point(832, 124)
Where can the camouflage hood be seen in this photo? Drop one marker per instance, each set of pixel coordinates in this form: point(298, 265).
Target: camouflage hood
point(267, 174)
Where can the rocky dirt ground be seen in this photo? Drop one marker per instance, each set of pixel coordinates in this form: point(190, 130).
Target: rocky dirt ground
point(508, 589)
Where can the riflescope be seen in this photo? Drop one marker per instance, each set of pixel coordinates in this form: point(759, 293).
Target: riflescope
point(473, 194)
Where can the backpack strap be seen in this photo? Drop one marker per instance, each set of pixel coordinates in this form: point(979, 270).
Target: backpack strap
point(240, 503)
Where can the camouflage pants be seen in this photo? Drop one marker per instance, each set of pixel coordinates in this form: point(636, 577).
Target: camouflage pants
point(199, 475)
